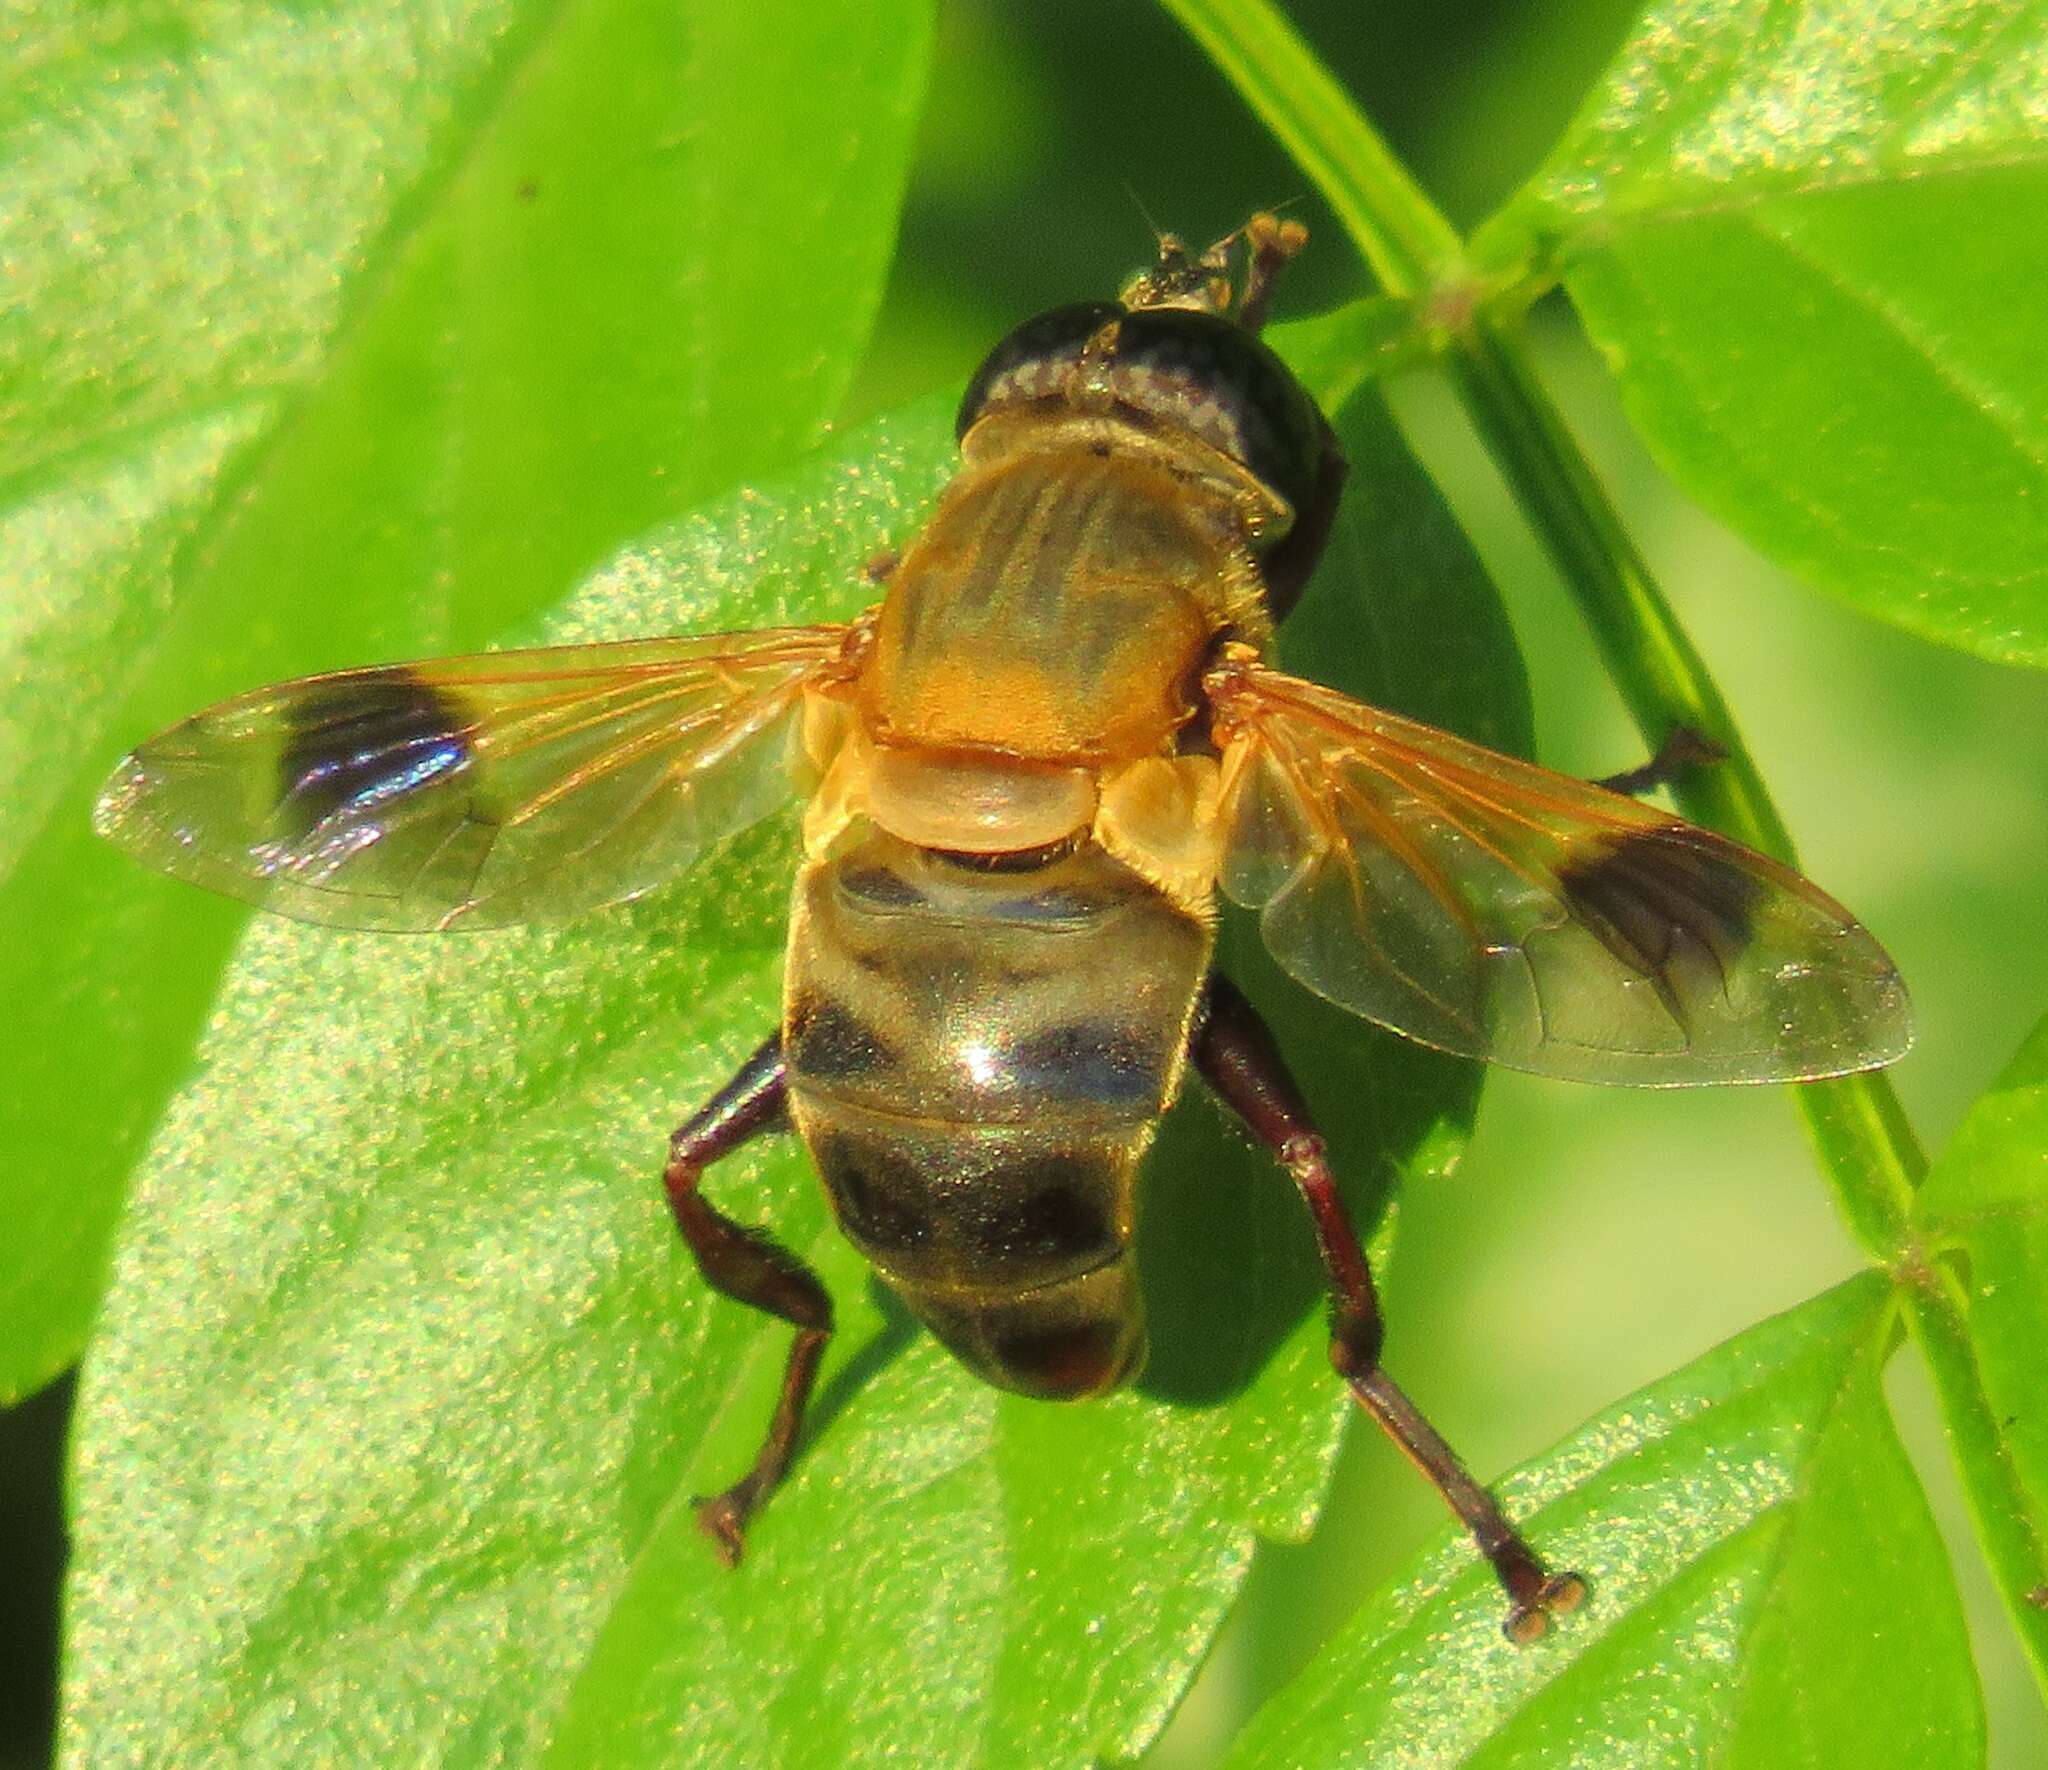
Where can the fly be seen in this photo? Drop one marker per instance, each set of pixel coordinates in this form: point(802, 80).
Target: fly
point(1030, 770)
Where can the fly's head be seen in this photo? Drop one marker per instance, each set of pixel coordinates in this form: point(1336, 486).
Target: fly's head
point(1175, 368)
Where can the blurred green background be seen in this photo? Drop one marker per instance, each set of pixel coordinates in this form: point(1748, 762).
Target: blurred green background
point(1594, 1239)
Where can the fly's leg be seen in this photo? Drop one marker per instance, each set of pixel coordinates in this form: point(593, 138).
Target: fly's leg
point(1182, 278)
point(1237, 1057)
point(1682, 750)
point(750, 1268)
point(1270, 243)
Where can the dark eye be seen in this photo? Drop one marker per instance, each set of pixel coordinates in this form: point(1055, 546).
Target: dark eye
point(1180, 369)
point(1033, 361)
point(1205, 374)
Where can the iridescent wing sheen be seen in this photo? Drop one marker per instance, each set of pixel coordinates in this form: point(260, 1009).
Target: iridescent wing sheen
point(519, 786)
point(1495, 909)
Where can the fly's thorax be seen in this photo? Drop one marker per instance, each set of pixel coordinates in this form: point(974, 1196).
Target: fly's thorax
point(1058, 607)
point(1168, 371)
point(1194, 383)
point(1158, 815)
point(1212, 489)
point(961, 802)
point(977, 1061)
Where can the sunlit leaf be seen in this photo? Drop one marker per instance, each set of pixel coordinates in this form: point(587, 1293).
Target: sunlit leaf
point(1805, 234)
point(1768, 1590)
point(333, 334)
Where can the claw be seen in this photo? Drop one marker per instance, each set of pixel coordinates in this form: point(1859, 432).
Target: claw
point(1559, 1595)
point(723, 1518)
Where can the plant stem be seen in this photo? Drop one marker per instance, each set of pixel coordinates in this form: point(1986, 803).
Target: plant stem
point(1858, 1127)
point(1856, 1123)
point(2006, 1522)
point(1662, 678)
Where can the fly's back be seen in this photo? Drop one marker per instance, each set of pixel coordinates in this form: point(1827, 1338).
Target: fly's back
point(977, 1060)
point(1056, 606)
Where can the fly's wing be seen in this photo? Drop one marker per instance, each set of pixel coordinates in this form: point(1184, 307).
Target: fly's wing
point(1497, 910)
point(522, 786)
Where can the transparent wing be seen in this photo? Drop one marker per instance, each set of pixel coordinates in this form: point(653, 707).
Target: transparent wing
point(521, 786)
point(1495, 909)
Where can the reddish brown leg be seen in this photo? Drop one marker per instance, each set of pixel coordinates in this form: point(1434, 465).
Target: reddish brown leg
point(1272, 242)
point(750, 1268)
point(881, 568)
point(1682, 750)
point(1236, 1055)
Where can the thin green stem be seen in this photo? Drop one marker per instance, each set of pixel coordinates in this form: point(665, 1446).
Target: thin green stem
point(1857, 1125)
point(1662, 677)
point(2007, 1524)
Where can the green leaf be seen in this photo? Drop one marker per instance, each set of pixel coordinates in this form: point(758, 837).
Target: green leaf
point(1987, 1199)
point(405, 1381)
point(332, 335)
point(1337, 352)
point(1768, 1590)
point(1802, 233)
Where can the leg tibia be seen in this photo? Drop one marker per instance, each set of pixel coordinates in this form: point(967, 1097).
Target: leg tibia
point(1237, 1056)
point(750, 1267)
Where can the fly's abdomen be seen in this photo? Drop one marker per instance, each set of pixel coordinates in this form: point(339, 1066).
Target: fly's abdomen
point(977, 1061)
point(1010, 1244)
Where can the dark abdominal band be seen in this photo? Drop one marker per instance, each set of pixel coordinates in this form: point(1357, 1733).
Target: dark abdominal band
point(973, 1210)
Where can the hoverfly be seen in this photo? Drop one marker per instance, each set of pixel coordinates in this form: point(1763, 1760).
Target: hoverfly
point(1031, 767)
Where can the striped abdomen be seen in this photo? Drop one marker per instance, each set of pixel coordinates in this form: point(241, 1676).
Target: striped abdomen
point(977, 1061)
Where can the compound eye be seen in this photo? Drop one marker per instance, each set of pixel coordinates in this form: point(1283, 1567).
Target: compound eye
point(1035, 361)
point(1177, 368)
point(1204, 374)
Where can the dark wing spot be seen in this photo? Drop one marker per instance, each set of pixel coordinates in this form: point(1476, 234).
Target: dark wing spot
point(364, 743)
point(1046, 1207)
point(1660, 899)
point(827, 1040)
point(1088, 1061)
point(881, 1197)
